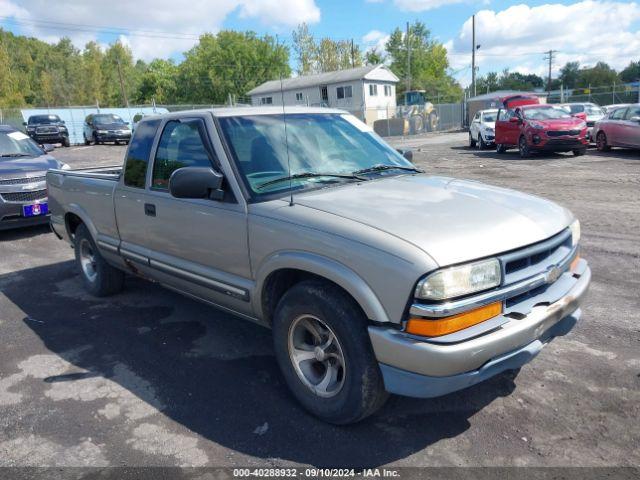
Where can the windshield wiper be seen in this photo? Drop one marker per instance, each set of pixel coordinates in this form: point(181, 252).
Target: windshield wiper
point(309, 175)
point(5, 155)
point(382, 167)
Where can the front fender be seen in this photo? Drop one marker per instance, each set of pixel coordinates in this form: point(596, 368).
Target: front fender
point(323, 267)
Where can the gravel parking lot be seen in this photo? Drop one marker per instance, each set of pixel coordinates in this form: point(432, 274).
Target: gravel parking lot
point(151, 378)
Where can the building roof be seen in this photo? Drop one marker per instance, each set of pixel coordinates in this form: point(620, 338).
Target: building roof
point(497, 95)
point(369, 72)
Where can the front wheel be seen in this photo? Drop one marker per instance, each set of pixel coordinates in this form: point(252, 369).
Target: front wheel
point(323, 350)
point(601, 142)
point(99, 278)
point(66, 142)
point(472, 142)
point(481, 144)
point(580, 152)
point(500, 148)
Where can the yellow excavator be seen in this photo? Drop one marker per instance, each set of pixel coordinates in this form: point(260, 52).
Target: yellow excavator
point(420, 114)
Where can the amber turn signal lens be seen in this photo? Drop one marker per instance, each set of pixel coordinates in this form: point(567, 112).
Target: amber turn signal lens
point(574, 263)
point(427, 327)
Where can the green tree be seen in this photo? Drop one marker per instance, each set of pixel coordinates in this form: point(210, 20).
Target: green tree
point(9, 93)
point(631, 73)
point(373, 57)
point(158, 82)
point(117, 60)
point(598, 76)
point(428, 63)
point(230, 64)
point(569, 74)
point(324, 55)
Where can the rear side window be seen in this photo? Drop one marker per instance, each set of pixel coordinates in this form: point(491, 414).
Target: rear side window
point(135, 171)
point(618, 114)
point(632, 112)
point(182, 144)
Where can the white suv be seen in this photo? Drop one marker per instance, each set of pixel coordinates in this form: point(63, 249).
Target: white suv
point(482, 128)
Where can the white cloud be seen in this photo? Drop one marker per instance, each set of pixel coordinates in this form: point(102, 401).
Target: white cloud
point(153, 28)
point(586, 31)
point(423, 5)
point(376, 40)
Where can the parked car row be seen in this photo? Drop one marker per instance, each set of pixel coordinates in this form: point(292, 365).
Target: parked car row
point(524, 123)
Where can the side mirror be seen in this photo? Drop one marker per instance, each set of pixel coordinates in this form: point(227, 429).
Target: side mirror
point(47, 147)
point(514, 120)
point(581, 116)
point(196, 182)
point(408, 154)
point(24, 123)
point(635, 118)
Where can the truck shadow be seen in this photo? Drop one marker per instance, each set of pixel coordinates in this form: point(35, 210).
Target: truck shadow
point(214, 374)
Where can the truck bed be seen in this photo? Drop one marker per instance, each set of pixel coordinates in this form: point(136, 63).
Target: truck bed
point(86, 193)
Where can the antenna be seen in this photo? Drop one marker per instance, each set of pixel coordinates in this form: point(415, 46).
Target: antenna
point(286, 142)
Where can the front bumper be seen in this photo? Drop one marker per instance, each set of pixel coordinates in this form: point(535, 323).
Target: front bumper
point(420, 368)
point(113, 137)
point(49, 138)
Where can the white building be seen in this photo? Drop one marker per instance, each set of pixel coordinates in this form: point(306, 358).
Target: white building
point(368, 92)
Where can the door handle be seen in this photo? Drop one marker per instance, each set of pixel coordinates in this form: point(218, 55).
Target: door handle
point(150, 209)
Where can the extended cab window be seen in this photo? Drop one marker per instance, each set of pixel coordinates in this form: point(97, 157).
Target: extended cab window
point(632, 112)
point(182, 144)
point(135, 170)
point(618, 114)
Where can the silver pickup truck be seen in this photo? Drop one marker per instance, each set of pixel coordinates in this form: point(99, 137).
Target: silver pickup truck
point(373, 276)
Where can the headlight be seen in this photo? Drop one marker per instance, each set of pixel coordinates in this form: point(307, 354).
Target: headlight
point(460, 280)
point(64, 166)
point(102, 131)
point(575, 232)
point(488, 129)
point(582, 125)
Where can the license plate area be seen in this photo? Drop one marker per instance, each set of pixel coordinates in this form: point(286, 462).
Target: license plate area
point(35, 210)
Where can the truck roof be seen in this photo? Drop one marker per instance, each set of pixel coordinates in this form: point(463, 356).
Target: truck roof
point(249, 110)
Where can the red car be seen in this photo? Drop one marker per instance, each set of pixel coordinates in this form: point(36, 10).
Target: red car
point(524, 123)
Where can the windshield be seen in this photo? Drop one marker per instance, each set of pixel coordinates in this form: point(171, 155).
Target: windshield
point(107, 119)
point(43, 119)
point(593, 110)
point(489, 117)
point(545, 113)
point(17, 144)
point(331, 144)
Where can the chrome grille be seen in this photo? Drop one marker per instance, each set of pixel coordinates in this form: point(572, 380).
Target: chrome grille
point(23, 197)
point(561, 133)
point(537, 258)
point(47, 130)
point(21, 181)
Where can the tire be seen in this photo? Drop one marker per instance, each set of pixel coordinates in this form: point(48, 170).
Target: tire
point(472, 142)
point(432, 122)
point(66, 142)
point(601, 142)
point(416, 124)
point(86, 142)
point(355, 389)
point(500, 148)
point(523, 148)
point(95, 139)
point(580, 152)
point(481, 144)
point(99, 278)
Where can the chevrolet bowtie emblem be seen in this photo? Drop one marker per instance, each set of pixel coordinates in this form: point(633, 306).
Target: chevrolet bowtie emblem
point(553, 274)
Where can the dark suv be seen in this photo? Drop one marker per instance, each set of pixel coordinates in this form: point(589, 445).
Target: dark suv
point(47, 129)
point(105, 127)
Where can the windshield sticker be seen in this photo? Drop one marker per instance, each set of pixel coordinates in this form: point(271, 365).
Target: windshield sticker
point(17, 135)
point(363, 127)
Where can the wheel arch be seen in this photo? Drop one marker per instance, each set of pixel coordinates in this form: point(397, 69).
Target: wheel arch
point(284, 269)
point(76, 216)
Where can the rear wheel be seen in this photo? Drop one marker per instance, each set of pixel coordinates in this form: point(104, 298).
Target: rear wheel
point(580, 152)
point(99, 278)
point(472, 142)
point(523, 147)
point(323, 350)
point(601, 142)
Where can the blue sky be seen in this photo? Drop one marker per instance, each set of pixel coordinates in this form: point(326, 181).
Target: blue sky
point(512, 34)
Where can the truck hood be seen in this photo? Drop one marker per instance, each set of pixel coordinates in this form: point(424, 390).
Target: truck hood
point(451, 220)
point(27, 166)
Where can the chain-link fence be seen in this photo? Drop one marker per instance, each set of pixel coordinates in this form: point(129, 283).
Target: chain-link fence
point(415, 119)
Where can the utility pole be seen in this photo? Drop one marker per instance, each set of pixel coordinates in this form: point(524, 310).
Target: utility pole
point(473, 54)
point(124, 94)
point(549, 56)
point(353, 55)
point(408, 58)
